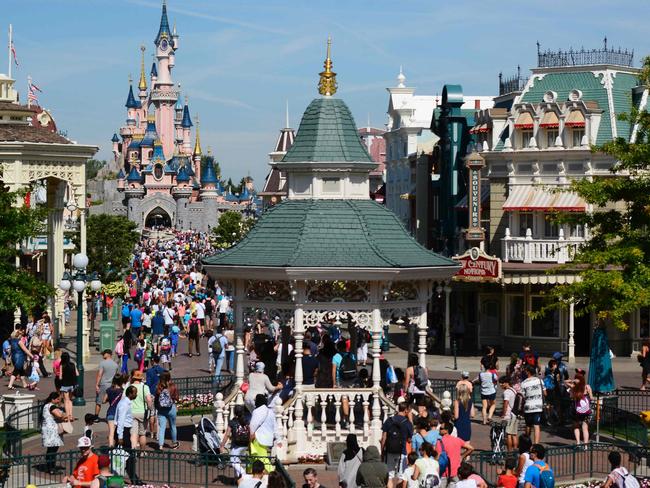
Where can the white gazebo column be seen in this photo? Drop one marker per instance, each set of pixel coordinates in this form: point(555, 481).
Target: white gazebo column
point(375, 425)
point(423, 293)
point(572, 342)
point(238, 294)
point(299, 329)
point(55, 263)
point(447, 319)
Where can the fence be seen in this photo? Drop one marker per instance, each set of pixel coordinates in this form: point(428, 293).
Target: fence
point(170, 468)
point(197, 393)
point(570, 462)
point(19, 425)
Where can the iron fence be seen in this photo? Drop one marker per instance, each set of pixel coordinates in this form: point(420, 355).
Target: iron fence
point(635, 401)
point(171, 468)
point(18, 426)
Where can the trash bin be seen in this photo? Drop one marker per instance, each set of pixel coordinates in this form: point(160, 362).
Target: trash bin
point(106, 334)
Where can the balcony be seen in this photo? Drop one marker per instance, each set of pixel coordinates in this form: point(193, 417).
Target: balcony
point(528, 250)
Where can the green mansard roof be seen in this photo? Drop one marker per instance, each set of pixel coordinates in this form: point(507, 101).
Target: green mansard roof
point(327, 132)
point(329, 233)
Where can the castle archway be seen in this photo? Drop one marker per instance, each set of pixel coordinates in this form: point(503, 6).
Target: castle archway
point(158, 218)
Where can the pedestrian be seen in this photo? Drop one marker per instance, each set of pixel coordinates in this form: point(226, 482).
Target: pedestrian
point(511, 420)
point(124, 423)
point(34, 376)
point(141, 407)
point(259, 383)
point(257, 478)
point(104, 378)
point(87, 467)
point(456, 450)
point(619, 476)
point(464, 480)
point(309, 365)
point(275, 480)
point(464, 380)
point(644, 361)
point(217, 346)
point(488, 380)
point(406, 480)
point(533, 391)
point(463, 413)
point(52, 416)
point(507, 478)
point(427, 470)
point(539, 474)
point(372, 472)
point(112, 396)
point(239, 434)
point(19, 355)
point(524, 460)
point(581, 395)
point(165, 404)
point(105, 474)
point(396, 431)
point(416, 379)
point(311, 479)
point(262, 427)
point(350, 461)
point(136, 320)
point(69, 380)
point(194, 333)
point(122, 353)
point(529, 358)
point(157, 330)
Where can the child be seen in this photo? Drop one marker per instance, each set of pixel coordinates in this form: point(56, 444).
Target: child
point(34, 377)
point(6, 356)
point(140, 352)
point(507, 478)
point(175, 334)
point(406, 477)
point(122, 354)
point(166, 352)
point(89, 420)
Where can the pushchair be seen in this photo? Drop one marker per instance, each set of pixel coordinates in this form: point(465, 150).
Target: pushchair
point(209, 443)
point(497, 442)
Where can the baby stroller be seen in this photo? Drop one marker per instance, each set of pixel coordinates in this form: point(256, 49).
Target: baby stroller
point(209, 443)
point(497, 442)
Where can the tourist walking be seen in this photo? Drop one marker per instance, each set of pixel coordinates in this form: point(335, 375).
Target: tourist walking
point(539, 474)
point(87, 467)
point(52, 416)
point(259, 384)
point(618, 476)
point(396, 431)
point(104, 378)
point(511, 420)
point(194, 333)
point(455, 448)
point(262, 427)
point(141, 407)
point(463, 413)
point(68, 375)
point(165, 403)
point(112, 397)
point(524, 460)
point(533, 391)
point(372, 472)
point(488, 380)
point(644, 361)
point(19, 355)
point(124, 424)
point(217, 346)
point(350, 461)
point(427, 470)
point(239, 435)
point(581, 395)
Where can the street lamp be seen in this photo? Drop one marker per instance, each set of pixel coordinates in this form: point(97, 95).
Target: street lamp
point(77, 281)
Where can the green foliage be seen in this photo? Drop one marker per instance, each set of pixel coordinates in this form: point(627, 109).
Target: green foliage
point(92, 168)
point(231, 229)
point(109, 244)
point(115, 288)
point(18, 287)
point(614, 266)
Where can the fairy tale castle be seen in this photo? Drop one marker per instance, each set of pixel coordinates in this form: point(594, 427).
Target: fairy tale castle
point(163, 178)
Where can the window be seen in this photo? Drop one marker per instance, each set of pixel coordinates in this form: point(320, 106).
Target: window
point(551, 135)
point(644, 322)
point(158, 171)
point(546, 326)
point(526, 136)
point(550, 227)
point(331, 185)
point(525, 222)
point(577, 231)
point(576, 136)
point(516, 315)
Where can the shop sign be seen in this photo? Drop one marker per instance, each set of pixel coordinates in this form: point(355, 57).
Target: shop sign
point(477, 266)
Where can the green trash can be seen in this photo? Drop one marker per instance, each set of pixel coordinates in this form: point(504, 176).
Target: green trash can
point(106, 335)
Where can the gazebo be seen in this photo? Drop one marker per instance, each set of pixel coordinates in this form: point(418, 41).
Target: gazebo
point(329, 252)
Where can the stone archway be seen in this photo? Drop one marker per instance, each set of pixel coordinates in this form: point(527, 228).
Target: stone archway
point(158, 218)
point(164, 204)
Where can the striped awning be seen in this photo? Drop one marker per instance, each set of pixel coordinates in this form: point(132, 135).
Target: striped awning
point(485, 198)
point(550, 120)
point(529, 199)
point(575, 119)
point(524, 121)
point(483, 128)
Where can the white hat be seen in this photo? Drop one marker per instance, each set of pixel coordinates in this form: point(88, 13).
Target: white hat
point(84, 442)
point(465, 374)
point(259, 367)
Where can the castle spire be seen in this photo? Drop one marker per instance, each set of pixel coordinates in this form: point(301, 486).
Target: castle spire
point(130, 99)
point(142, 85)
point(197, 144)
point(163, 31)
point(327, 84)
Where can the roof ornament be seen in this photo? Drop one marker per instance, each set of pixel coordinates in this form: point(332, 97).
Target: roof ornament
point(197, 144)
point(327, 84)
point(401, 78)
point(142, 85)
point(286, 123)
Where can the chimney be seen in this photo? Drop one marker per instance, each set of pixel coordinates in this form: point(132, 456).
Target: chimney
point(477, 104)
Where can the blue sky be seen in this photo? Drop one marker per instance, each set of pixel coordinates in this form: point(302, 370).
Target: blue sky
point(239, 61)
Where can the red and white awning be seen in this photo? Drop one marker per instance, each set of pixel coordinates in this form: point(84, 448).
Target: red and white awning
point(529, 199)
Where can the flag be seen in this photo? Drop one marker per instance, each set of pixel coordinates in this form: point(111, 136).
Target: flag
point(31, 93)
point(13, 53)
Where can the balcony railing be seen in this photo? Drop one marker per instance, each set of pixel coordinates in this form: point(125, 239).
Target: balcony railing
point(529, 250)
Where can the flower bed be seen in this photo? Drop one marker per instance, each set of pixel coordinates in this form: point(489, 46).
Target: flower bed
point(643, 482)
point(195, 404)
point(313, 459)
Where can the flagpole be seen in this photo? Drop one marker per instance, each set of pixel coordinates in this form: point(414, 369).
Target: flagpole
point(9, 50)
point(29, 91)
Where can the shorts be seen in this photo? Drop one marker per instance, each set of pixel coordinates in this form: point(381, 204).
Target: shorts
point(512, 426)
point(396, 464)
point(110, 418)
point(164, 358)
point(139, 424)
point(125, 321)
point(489, 398)
point(581, 417)
point(201, 321)
point(534, 418)
point(100, 396)
point(67, 389)
point(155, 338)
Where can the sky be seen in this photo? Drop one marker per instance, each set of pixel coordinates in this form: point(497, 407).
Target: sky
point(240, 62)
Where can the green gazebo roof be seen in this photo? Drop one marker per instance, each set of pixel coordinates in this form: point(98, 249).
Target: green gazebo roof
point(329, 233)
point(327, 132)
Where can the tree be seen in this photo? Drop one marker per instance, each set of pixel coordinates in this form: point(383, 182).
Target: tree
point(614, 265)
point(231, 229)
point(109, 245)
point(18, 287)
point(92, 168)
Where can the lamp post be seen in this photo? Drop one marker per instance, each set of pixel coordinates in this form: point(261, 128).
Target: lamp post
point(77, 281)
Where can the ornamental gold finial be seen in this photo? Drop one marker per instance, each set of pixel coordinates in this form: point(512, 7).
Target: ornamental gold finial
point(197, 144)
point(327, 83)
point(142, 85)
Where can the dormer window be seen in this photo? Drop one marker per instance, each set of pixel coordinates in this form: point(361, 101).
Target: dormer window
point(550, 123)
point(575, 122)
point(576, 136)
point(526, 136)
point(524, 124)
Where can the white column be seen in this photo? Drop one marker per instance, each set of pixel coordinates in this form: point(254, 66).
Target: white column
point(447, 319)
point(375, 294)
point(299, 330)
point(239, 332)
point(55, 256)
point(422, 322)
point(572, 342)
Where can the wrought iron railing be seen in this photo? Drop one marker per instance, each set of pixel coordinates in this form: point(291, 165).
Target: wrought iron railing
point(198, 393)
point(582, 57)
point(514, 83)
point(19, 425)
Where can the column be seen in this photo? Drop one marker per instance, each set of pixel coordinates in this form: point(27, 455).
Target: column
point(572, 342)
point(299, 330)
point(55, 258)
point(238, 293)
point(447, 319)
point(81, 199)
point(422, 323)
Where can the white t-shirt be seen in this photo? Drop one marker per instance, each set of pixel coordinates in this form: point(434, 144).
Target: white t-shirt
point(509, 395)
point(407, 475)
point(533, 391)
point(466, 484)
point(248, 481)
point(224, 303)
point(200, 310)
point(169, 315)
point(487, 382)
point(528, 462)
point(263, 425)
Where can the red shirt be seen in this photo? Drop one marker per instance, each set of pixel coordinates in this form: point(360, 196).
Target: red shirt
point(507, 481)
point(87, 468)
point(453, 447)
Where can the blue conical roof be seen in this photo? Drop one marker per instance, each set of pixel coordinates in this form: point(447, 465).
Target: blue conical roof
point(209, 176)
point(134, 175)
point(244, 194)
point(220, 187)
point(182, 175)
point(115, 138)
point(179, 104)
point(130, 99)
point(158, 155)
point(154, 70)
point(164, 26)
point(120, 175)
point(150, 134)
point(187, 122)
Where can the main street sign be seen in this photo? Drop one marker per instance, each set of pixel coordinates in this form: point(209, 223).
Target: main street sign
point(477, 266)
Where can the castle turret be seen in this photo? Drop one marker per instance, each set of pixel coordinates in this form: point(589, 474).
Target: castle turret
point(186, 124)
point(131, 106)
point(182, 193)
point(196, 154)
point(178, 118)
point(116, 145)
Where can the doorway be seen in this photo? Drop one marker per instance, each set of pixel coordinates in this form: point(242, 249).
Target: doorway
point(158, 218)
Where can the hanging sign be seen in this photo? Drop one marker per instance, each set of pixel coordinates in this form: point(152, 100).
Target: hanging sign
point(477, 266)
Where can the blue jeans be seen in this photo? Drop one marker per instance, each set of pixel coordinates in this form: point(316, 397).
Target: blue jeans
point(218, 361)
point(162, 425)
point(231, 360)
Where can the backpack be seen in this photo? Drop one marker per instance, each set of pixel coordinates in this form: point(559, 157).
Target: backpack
point(518, 404)
point(139, 355)
point(430, 481)
point(165, 399)
point(194, 327)
point(335, 333)
point(394, 437)
point(119, 347)
point(217, 346)
point(241, 435)
point(583, 406)
point(529, 359)
point(420, 377)
point(546, 476)
point(6, 348)
point(443, 460)
point(629, 481)
point(348, 367)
